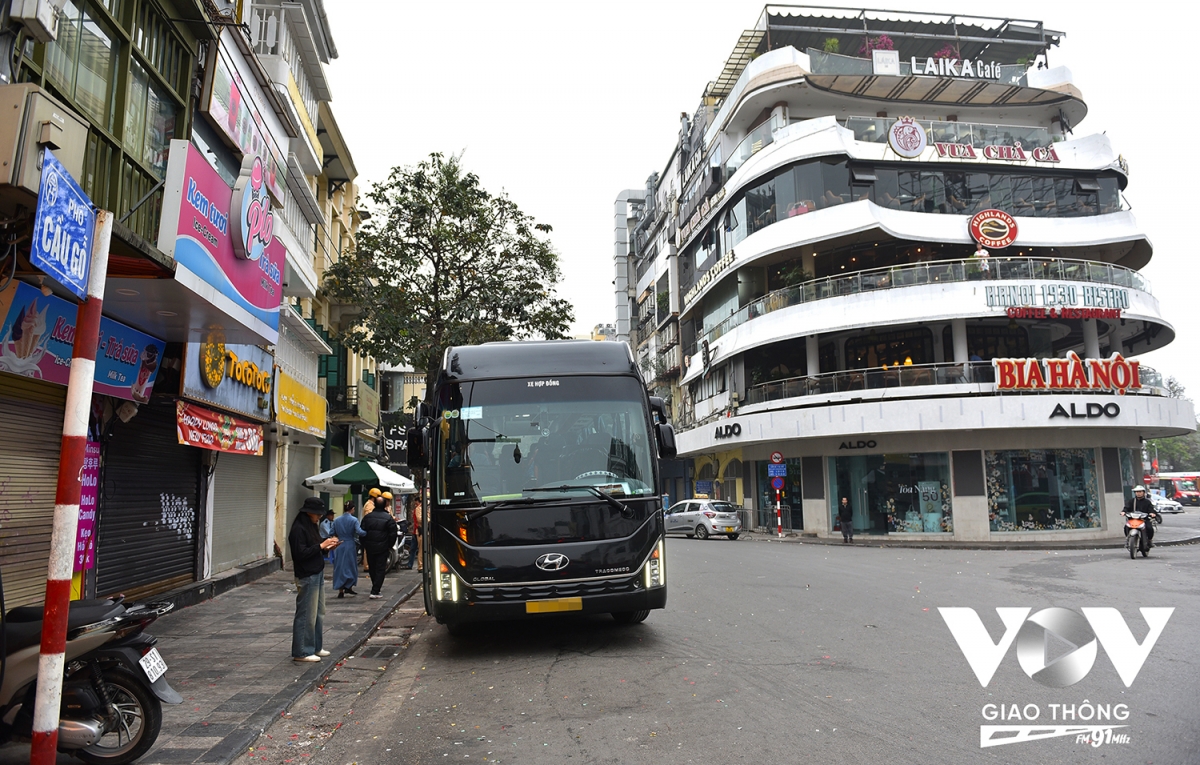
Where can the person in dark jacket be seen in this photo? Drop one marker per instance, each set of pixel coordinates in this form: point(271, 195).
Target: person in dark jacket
point(846, 519)
point(378, 542)
point(308, 565)
point(1141, 503)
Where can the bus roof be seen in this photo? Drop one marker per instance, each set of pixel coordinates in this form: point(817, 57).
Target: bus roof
point(537, 358)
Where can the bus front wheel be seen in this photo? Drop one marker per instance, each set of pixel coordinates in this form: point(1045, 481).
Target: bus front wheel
point(630, 617)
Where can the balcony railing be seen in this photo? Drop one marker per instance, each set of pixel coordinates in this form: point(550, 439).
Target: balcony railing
point(758, 139)
point(979, 374)
point(937, 272)
point(976, 134)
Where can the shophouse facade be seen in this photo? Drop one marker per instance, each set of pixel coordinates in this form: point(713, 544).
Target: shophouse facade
point(168, 115)
point(804, 277)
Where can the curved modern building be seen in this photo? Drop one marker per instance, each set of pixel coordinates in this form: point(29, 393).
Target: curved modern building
point(886, 261)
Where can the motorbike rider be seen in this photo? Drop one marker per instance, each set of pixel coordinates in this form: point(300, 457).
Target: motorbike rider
point(1140, 503)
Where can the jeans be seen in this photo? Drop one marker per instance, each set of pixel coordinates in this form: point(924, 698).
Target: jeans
point(412, 550)
point(377, 563)
point(310, 615)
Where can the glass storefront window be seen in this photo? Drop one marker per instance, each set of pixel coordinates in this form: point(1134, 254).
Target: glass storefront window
point(1042, 489)
point(791, 504)
point(1128, 476)
point(893, 493)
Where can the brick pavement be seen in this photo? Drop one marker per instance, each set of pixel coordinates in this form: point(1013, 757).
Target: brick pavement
point(230, 659)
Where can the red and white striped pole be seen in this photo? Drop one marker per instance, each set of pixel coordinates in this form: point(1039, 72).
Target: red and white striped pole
point(66, 501)
point(778, 514)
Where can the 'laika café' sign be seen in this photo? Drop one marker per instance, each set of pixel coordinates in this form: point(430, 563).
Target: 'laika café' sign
point(1070, 374)
point(953, 67)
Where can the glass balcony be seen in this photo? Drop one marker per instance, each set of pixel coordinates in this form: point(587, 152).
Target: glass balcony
point(937, 272)
point(975, 134)
point(980, 376)
point(758, 139)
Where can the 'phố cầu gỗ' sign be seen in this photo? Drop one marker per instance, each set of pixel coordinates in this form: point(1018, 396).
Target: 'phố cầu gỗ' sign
point(1072, 373)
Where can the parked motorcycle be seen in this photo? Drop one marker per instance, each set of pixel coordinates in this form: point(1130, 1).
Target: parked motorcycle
point(113, 685)
point(401, 552)
point(1136, 538)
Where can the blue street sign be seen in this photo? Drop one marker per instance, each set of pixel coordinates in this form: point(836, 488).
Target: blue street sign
point(62, 228)
point(777, 483)
point(704, 487)
point(776, 471)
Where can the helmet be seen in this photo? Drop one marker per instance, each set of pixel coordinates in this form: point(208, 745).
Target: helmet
point(1140, 488)
point(374, 493)
point(387, 495)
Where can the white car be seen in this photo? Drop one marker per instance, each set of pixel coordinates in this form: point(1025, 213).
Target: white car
point(1162, 504)
point(703, 518)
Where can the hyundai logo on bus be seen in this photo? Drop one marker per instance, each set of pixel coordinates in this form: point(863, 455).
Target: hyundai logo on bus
point(1091, 412)
point(552, 562)
point(728, 431)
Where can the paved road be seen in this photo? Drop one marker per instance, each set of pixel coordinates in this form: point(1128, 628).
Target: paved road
point(780, 653)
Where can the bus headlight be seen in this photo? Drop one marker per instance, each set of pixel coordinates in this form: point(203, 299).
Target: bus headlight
point(655, 569)
point(447, 582)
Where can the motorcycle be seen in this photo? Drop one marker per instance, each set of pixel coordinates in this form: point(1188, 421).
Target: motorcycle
point(113, 684)
point(401, 552)
point(1136, 538)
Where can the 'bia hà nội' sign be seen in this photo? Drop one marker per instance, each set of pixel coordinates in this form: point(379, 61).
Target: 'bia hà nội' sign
point(1115, 374)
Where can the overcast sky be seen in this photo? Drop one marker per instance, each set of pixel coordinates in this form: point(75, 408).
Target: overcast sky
point(564, 104)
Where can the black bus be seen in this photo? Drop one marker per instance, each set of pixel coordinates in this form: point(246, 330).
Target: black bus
point(542, 483)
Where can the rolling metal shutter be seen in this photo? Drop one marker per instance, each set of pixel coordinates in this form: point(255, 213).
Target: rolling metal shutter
point(302, 462)
point(149, 506)
point(32, 413)
point(240, 512)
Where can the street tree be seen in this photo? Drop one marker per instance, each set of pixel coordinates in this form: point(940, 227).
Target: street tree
point(444, 262)
point(1178, 453)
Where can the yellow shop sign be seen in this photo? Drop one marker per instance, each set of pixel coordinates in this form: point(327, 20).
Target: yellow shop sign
point(298, 406)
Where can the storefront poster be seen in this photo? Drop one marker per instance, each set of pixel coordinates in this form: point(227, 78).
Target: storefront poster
point(204, 428)
point(298, 406)
point(85, 533)
point(36, 338)
point(196, 230)
point(233, 377)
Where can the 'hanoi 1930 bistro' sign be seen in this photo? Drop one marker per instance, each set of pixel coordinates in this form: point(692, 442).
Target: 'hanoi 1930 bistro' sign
point(1115, 373)
point(1056, 295)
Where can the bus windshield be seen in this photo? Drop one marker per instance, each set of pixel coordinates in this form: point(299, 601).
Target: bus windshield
point(500, 438)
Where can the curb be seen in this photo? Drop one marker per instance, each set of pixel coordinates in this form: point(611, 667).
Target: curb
point(243, 737)
point(1097, 544)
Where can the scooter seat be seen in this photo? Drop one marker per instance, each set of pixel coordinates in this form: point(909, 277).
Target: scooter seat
point(21, 635)
point(82, 613)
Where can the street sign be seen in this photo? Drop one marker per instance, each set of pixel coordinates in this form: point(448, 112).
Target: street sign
point(777, 483)
point(704, 487)
point(777, 470)
point(62, 228)
point(777, 457)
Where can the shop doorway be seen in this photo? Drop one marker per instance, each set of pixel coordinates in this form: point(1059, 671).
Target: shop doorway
point(894, 493)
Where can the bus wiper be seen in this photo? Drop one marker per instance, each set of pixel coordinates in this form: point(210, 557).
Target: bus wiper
point(503, 504)
point(596, 491)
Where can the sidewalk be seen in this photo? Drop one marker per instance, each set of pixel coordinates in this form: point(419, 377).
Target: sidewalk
point(230, 659)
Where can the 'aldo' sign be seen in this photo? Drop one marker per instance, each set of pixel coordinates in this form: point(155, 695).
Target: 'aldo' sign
point(1090, 412)
point(857, 445)
point(728, 431)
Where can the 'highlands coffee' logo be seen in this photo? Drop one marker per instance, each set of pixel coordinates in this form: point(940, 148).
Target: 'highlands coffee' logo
point(1081, 633)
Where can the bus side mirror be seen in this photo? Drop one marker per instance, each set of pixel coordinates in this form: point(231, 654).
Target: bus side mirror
point(659, 407)
point(424, 413)
point(417, 456)
point(666, 440)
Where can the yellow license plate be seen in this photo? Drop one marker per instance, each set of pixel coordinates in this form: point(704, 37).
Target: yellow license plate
point(728, 529)
point(552, 606)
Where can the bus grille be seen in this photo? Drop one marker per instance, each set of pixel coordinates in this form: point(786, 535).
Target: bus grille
point(546, 591)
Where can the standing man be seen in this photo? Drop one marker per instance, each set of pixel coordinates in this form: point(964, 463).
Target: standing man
point(345, 557)
point(308, 565)
point(846, 517)
point(982, 254)
point(380, 530)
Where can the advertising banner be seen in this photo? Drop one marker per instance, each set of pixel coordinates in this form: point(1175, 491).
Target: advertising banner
point(85, 533)
point(394, 444)
point(368, 404)
point(62, 228)
point(298, 406)
point(37, 332)
point(202, 427)
point(233, 377)
point(197, 231)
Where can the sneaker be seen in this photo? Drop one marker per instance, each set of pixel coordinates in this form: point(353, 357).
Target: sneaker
point(373, 596)
point(322, 653)
point(314, 657)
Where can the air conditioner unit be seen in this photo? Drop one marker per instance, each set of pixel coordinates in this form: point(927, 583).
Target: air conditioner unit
point(30, 120)
point(40, 17)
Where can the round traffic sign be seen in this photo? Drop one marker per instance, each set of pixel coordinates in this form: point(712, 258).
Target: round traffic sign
point(777, 483)
point(777, 458)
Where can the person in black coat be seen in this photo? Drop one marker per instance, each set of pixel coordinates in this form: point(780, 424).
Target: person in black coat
point(381, 536)
point(1141, 503)
point(846, 518)
point(308, 566)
